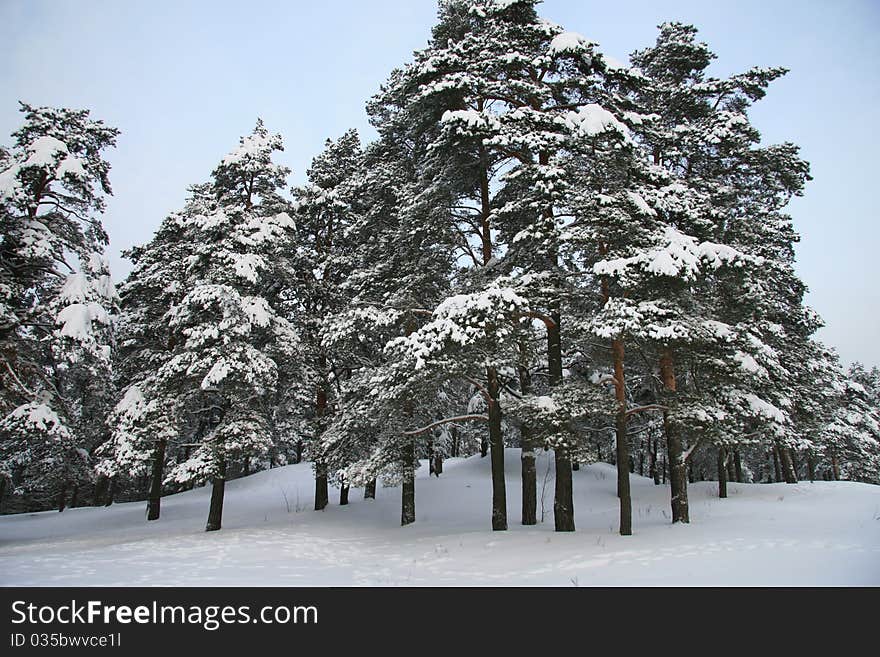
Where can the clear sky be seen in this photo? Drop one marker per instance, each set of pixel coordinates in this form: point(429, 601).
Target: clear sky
point(184, 79)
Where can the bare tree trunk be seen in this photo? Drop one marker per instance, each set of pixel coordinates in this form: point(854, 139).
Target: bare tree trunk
point(215, 513)
point(722, 472)
point(343, 494)
point(154, 501)
point(370, 490)
point(835, 467)
point(811, 465)
point(677, 466)
point(454, 449)
point(74, 498)
point(737, 462)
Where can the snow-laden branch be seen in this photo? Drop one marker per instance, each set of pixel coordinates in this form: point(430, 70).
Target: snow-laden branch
point(457, 418)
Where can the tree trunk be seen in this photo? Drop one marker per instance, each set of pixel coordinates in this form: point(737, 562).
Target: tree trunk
point(623, 472)
point(529, 481)
point(299, 451)
point(111, 493)
point(731, 469)
point(835, 467)
point(215, 513)
point(811, 465)
point(795, 464)
point(655, 470)
point(677, 466)
point(788, 473)
point(563, 500)
point(737, 462)
point(496, 440)
point(154, 501)
point(722, 472)
point(100, 489)
point(777, 471)
point(408, 493)
point(343, 494)
point(74, 498)
point(322, 494)
point(370, 490)
point(454, 448)
point(527, 453)
point(62, 497)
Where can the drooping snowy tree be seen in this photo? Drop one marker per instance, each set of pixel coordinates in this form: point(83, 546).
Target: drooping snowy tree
point(56, 297)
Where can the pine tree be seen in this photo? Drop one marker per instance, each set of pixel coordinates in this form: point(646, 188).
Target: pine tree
point(56, 298)
point(227, 334)
point(148, 419)
point(325, 211)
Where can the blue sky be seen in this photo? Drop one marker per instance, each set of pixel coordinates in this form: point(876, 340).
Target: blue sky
point(183, 80)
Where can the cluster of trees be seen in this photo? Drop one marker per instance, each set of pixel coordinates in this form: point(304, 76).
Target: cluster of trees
point(543, 249)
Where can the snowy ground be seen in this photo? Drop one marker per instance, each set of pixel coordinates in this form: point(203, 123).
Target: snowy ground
point(825, 533)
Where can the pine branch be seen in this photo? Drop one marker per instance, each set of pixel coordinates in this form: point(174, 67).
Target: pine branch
point(457, 418)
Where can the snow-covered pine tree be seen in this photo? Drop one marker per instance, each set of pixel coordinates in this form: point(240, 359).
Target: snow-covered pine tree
point(496, 94)
point(701, 143)
point(56, 299)
point(404, 255)
point(228, 336)
point(325, 209)
point(851, 437)
point(148, 417)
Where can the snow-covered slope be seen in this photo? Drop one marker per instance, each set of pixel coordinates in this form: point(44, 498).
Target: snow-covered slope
point(824, 533)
